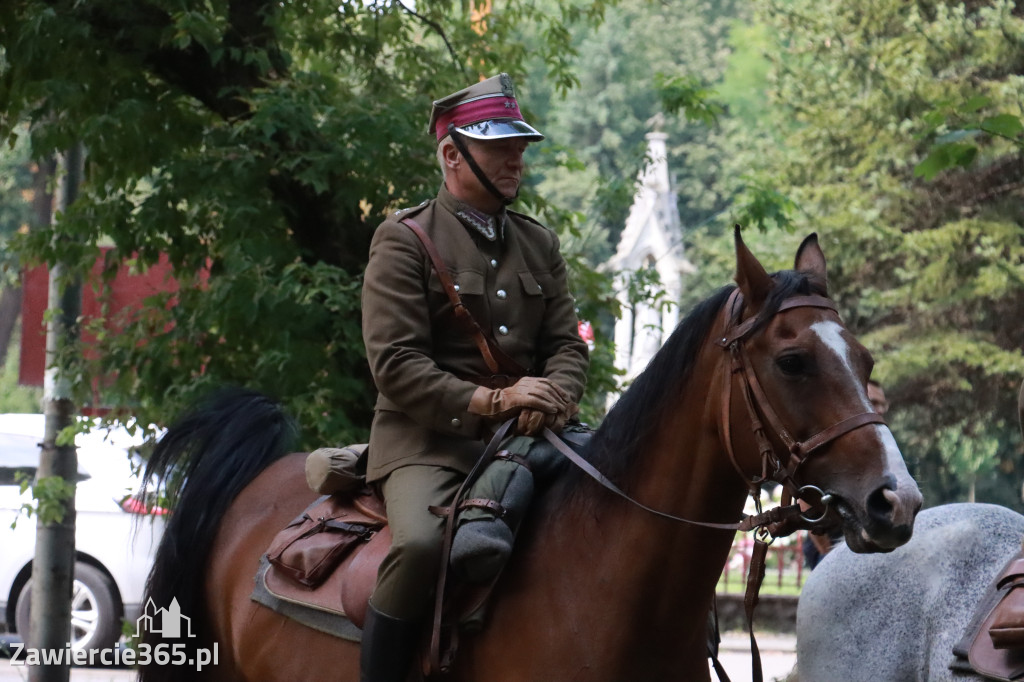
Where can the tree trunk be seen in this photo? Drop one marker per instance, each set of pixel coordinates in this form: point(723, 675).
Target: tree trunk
point(54, 564)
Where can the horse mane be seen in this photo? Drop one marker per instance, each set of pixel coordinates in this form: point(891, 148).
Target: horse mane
point(626, 431)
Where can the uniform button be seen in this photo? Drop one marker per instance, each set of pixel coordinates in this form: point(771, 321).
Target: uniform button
point(503, 330)
point(456, 287)
point(456, 422)
point(494, 263)
point(501, 294)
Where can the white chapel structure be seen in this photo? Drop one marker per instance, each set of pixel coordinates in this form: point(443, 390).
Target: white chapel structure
point(652, 238)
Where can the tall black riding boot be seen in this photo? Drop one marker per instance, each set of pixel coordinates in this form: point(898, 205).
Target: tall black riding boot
point(387, 648)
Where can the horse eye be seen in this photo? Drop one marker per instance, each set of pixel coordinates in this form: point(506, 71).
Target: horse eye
point(791, 364)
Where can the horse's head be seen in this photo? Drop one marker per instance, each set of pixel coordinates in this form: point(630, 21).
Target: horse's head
point(801, 374)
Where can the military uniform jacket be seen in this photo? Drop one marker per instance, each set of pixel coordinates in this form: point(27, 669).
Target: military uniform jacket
point(515, 287)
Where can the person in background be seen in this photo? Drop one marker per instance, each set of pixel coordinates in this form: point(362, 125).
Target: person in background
point(877, 397)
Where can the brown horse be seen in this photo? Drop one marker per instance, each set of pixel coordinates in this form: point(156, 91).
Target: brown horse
point(598, 589)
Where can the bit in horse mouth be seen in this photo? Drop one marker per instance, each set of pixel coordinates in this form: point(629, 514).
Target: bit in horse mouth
point(811, 515)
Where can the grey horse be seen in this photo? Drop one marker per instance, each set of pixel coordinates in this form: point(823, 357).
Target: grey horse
point(896, 617)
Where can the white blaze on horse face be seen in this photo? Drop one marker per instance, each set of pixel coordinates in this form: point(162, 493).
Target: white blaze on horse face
point(831, 334)
point(893, 456)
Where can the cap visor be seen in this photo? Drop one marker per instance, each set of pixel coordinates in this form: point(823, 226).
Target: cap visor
point(501, 129)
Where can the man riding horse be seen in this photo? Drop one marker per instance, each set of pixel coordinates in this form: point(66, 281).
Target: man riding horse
point(447, 378)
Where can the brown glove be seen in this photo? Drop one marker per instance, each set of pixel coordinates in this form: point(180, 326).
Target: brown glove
point(534, 393)
point(532, 422)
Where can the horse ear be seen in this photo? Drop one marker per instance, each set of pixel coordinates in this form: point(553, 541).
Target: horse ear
point(810, 259)
point(753, 280)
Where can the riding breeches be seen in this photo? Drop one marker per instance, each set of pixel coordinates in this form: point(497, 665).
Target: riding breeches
point(407, 579)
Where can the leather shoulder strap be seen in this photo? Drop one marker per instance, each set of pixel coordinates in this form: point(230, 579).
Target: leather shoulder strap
point(497, 360)
point(435, 258)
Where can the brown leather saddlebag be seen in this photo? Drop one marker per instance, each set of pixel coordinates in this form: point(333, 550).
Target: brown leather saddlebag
point(993, 642)
point(313, 545)
point(1007, 628)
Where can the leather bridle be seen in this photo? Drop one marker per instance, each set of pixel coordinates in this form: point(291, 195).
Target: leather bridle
point(763, 416)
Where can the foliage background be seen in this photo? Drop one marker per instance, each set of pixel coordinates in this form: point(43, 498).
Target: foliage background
point(257, 143)
point(267, 140)
point(893, 130)
point(861, 102)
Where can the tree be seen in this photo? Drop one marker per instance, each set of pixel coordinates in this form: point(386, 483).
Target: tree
point(930, 274)
point(642, 51)
point(15, 188)
point(627, 79)
point(894, 130)
point(255, 144)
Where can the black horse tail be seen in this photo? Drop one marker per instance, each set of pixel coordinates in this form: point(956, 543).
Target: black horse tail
point(205, 459)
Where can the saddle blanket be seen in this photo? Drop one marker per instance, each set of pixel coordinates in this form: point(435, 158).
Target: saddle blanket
point(331, 621)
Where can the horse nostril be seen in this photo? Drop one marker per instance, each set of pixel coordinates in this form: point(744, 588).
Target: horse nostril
point(882, 502)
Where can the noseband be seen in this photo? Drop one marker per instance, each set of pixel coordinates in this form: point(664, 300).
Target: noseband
point(763, 416)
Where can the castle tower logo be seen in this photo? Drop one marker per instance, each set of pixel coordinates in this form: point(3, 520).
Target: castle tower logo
point(164, 621)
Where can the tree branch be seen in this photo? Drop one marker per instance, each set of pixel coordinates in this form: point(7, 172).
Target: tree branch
point(440, 31)
point(325, 226)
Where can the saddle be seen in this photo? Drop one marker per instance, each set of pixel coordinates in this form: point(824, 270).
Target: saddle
point(326, 559)
point(322, 567)
point(993, 643)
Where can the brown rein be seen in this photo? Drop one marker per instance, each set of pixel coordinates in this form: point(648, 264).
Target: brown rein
point(748, 523)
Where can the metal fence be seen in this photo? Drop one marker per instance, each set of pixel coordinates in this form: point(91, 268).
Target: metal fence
point(784, 565)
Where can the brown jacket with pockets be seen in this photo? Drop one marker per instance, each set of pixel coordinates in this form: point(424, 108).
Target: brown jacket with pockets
point(422, 362)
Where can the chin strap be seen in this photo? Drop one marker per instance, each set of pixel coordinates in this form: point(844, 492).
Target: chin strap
point(460, 144)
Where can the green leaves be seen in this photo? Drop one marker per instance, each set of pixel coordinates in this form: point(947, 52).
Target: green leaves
point(686, 94)
point(763, 207)
point(897, 131)
point(1003, 125)
point(945, 156)
point(967, 132)
point(51, 495)
point(202, 27)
